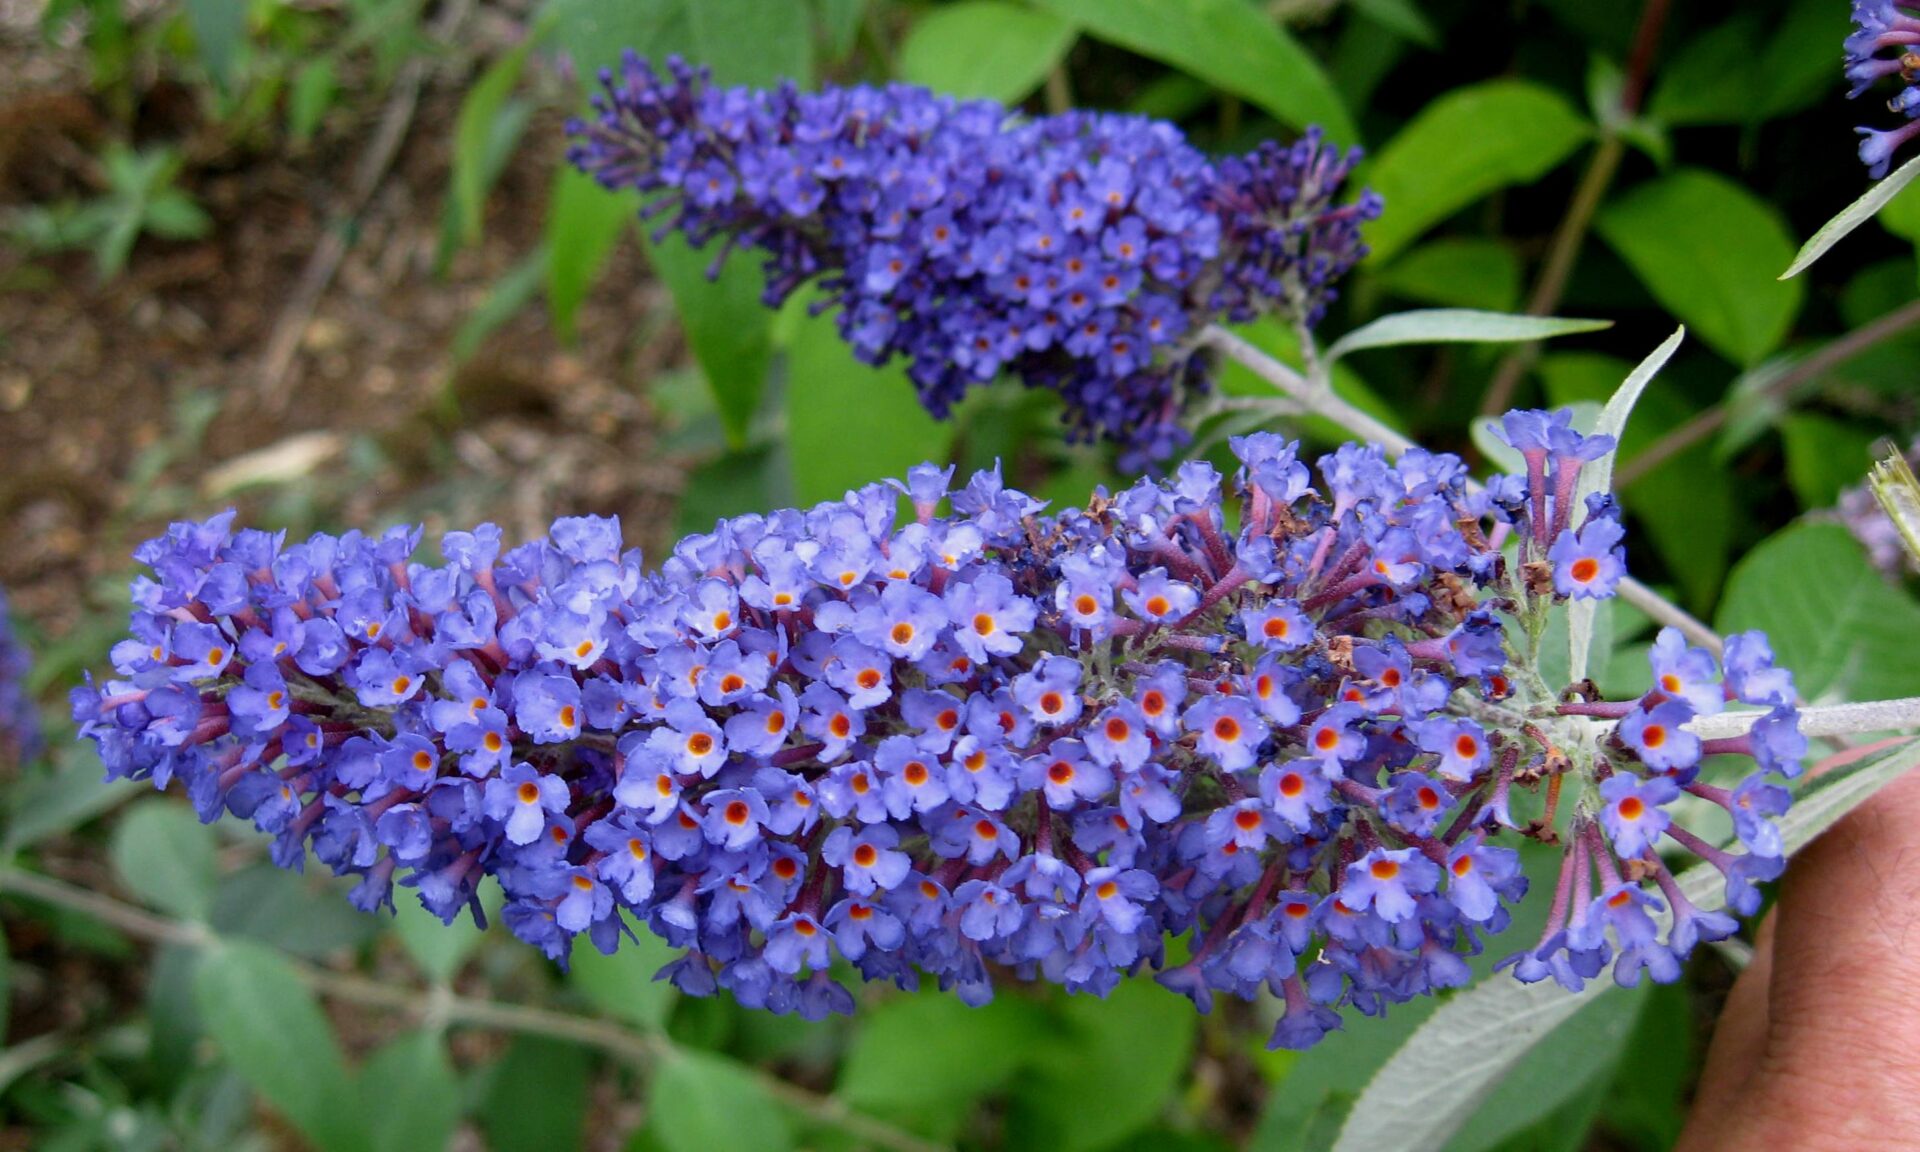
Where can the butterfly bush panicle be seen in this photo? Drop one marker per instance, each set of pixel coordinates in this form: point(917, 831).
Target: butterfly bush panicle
point(1078, 252)
point(19, 723)
point(1283, 719)
point(1885, 42)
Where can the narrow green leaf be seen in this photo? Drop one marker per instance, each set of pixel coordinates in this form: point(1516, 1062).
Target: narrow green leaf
point(411, 1097)
point(1598, 477)
point(728, 328)
point(62, 797)
point(219, 32)
point(1829, 614)
point(584, 222)
point(700, 1101)
point(1229, 43)
point(1453, 1062)
point(1852, 216)
point(508, 295)
point(473, 133)
point(990, 49)
point(1704, 246)
point(314, 86)
point(1462, 146)
point(271, 1031)
point(834, 402)
point(164, 855)
point(753, 41)
point(1457, 326)
point(622, 985)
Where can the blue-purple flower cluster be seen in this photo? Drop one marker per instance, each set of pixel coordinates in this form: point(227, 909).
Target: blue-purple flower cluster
point(1075, 252)
point(19, 722)
point(1276, 719)
point(1881, 27)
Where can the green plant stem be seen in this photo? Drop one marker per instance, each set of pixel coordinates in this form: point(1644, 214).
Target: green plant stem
point(1321, 400)
point(643, 1049)
point(1781, 390)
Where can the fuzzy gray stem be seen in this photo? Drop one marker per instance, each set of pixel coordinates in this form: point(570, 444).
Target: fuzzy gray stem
point(1901, 715)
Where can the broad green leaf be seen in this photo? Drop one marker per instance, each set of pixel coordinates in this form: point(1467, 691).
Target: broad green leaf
point(1110, 1069)
point(410, 1096)
point(1402, 17)
point(930, 1056)
point(1824, 457)
point(1457, 326)
point(1462, 146)
point(752, 41)
point(1598, 477)
point(728, 328)
point(622, 985)
point(734, 484)
point(850, 424)
point(441, 949)
point(1792, 77)
point(992, 49)
point(1852, 216)
point(219, 33)
point(1231, 44)
point(474, 136)
point(594, 33)
point(302, 914)
point(164, 855)
point(535, 1098)
point(1457, 273)
point(1830, 615)
point(584, 222)
point(271, 1031)
point(1646, 1103)
point(1436, 1082)
point(1704, 247)
point(699, 1102)
point(1711, 79)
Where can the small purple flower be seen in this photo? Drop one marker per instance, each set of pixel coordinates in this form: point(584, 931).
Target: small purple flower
point(1228, 729)
point(1159, 599)
point(1658, 738)
point(1588, 565)
point(867, 859)
point(1635, 814)
point(1387, 882)
point(522, 797)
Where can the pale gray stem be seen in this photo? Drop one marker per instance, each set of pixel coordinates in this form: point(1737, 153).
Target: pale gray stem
point(1901, 715)
point(1317, 397)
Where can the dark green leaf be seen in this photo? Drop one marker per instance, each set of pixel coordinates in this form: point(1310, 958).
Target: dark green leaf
point(752, 41)
point(990, 49)
point(1462, 146)
point(1457, 273)
point(728, 328)
point(1824, 456)
point(271, 1031)
point(734, 484)
point(1229, 43)
point(584, 222)
point(1711, 79)
point(63, 796)
point(1113, 1065)
point(840, 22)
point(835, 403)
point(1901, 216)
point(164, 855)
point(1706, 248)
point(622, 985)
point(1831, 617)
point(699, 1102)
point(930, 1057)
point(412, 1099)
point(536, 1097)
point(595, 32)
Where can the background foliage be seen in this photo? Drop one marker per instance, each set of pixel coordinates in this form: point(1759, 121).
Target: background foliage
point(1631, 163)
